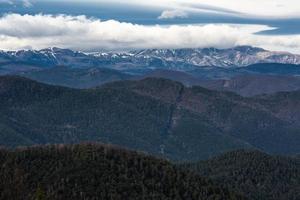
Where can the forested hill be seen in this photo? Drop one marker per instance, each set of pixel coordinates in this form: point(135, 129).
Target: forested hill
point(154, 115)
point(256, 175)
point(158, 116)
point(93, 171)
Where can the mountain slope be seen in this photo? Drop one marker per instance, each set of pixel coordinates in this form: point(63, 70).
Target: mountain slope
point(158, 116)
point(273, 69)
point(97, 172)
point(241, 81)
point(256, 175)
point(76, 78)
point(34, 113)
point(251, 85)
point(249, 119)
point(247, 85)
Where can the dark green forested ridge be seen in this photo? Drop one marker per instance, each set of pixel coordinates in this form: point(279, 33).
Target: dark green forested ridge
point(254, 174)
point(93, 171)
point(154, 115)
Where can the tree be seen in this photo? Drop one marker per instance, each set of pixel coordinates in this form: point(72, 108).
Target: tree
point(40, 194)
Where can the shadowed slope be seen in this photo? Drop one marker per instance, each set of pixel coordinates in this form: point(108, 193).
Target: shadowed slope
point(256, 175)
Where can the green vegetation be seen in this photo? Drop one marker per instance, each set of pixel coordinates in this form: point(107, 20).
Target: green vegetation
point(254, 174)
point(157, 116)
point(91, 171)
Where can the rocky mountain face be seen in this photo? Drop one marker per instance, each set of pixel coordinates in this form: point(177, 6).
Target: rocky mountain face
point(46, 58)
point(234, 57)
point(176, 59)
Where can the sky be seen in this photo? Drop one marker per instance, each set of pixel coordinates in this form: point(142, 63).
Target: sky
point(117, 25)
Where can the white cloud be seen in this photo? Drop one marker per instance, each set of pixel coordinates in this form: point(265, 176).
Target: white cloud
point(27, 3)
point(255, 8)
point(10, 2)
point(24, 3)
point(81, 33)
point(171, 14)
point(259, 8)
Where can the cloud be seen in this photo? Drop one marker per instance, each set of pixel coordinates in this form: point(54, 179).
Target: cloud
point(87, 34)
point(24, 3)
point(198, 7)
point(254, 8)
point(10, 2)
point(171, 14)
point(27, 3)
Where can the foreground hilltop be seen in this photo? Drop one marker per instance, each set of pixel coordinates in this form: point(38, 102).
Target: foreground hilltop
point(255, 174)
point(93, 171)
point(158, 116)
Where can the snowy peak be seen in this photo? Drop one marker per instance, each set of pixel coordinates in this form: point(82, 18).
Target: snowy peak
point(174, 59)
point(234, 57)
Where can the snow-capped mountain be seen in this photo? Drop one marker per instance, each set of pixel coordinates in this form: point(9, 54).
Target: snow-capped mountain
point(48, 57)
point(234, 57)
point(174, 59)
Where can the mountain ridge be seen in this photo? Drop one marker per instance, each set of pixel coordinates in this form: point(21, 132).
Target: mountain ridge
point(152, 115)
point(175, 59)
point(249, 81)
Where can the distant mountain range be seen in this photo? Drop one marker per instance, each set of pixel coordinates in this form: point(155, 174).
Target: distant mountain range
point(158, 116)
point(177, 59)
point(245, 70)
point(227, 58)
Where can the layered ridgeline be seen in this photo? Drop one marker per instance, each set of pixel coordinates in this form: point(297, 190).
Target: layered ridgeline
point(246, 81)
point(245, 70)
point(98, 172)
point(158, 116)
point(254, 174)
